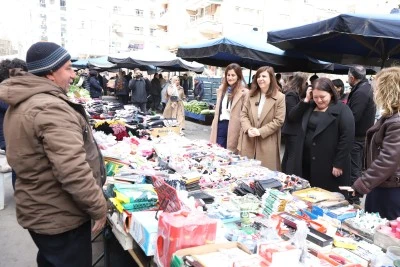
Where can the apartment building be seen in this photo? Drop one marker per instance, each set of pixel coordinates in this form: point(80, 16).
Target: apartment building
point(206, 19)
point(100, 27)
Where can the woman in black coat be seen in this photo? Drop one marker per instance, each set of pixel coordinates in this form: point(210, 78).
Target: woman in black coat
point(293, 95)
point(325, 137)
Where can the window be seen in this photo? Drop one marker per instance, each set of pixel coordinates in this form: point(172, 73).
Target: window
point(42, 3)
point(135, 46)
point(117, 9)
point(139, 12)
point(138, 29)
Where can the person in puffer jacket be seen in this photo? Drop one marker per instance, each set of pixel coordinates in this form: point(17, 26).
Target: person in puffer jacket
point(58, 165)
point(96, 91)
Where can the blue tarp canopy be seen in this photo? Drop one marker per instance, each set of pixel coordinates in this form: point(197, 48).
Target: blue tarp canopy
point(100, 63)
point(369, 40)
point(155, 57)
point(250, 50)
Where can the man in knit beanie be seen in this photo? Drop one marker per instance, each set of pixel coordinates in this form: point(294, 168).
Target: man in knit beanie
point(59, 168)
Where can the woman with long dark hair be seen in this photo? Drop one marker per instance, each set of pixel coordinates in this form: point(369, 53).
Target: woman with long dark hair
point(325, 137)
point(294, 90)
point(261, 119)
point(225, 127)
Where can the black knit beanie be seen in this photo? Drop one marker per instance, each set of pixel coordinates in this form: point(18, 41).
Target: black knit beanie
point(44, 57)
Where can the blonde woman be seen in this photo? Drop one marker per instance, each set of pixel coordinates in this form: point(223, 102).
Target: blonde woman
point(225, 127)
point(381, 180)
point(174, 108)
point(261, 119)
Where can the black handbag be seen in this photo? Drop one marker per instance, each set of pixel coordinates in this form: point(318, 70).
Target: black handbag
point(174, 98)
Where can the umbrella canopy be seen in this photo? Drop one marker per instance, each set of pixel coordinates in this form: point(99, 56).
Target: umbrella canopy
point(155, 57)
point(370, 40)
point(100, 63)
point(249, 50)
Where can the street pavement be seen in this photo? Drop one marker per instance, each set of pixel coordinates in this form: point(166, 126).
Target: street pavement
point(16, 246)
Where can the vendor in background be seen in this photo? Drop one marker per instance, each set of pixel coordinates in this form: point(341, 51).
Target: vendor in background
point(174, 108)
point(155, 92)
point(140, 88)
point(121, 88)
point(261, 119)
point(225, 127)
point(294, 90)
point(185, 84)
point(381, 179)
point(5, 67)
point(198, 89)
point(339, 86)
point(96, 90)
point(164, 98)
point(325, 139)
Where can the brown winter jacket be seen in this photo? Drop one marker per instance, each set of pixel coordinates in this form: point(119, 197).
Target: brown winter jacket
point(51, 148)
point(381, 156)
point(265, 147)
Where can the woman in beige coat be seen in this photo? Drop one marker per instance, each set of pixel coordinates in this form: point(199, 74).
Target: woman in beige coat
point(174, 108)
point(261, 119)
point(225, 127)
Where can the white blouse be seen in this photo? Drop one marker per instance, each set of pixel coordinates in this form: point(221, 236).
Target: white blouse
point(261, 104)
point(225, 109)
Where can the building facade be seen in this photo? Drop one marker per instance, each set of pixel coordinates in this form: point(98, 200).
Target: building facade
point(101, 27)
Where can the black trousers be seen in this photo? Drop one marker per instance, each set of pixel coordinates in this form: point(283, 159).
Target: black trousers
point(386, 201)
point(141, 106)
point(156, 102)
point(123, 99)
point(289, 157)
point(356, 159)
point(72, 248)
point(222, 133)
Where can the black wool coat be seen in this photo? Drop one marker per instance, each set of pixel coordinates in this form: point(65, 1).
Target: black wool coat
point(331, 146)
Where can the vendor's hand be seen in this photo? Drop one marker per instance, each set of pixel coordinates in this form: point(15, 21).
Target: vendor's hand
point(337, 172)
point(99, 224)
point(308, 95)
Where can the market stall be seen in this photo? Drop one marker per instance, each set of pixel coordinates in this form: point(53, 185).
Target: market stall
point(191, 203)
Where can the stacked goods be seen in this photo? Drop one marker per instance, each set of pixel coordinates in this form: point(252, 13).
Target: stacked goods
point(274, 201)
point(136, 197)
point(78, 94)
point(195, 106)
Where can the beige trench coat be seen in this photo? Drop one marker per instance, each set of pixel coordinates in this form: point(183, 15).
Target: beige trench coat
point(234, 122)
point(175, 110)
point(265, 147)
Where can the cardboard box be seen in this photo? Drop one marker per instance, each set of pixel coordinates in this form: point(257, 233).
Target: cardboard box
point(209, 249)
point(143, 229)
point(160, 132)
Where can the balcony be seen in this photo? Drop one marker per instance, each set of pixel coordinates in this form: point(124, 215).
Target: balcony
point(208, 24)
point(117, 28)
point(193, 5)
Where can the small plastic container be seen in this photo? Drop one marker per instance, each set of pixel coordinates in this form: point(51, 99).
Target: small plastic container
point(393, 252)
point(394, 225)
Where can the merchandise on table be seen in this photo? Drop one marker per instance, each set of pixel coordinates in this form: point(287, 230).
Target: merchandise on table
point(365, 224)
point(182, 230)
point(144, 228)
